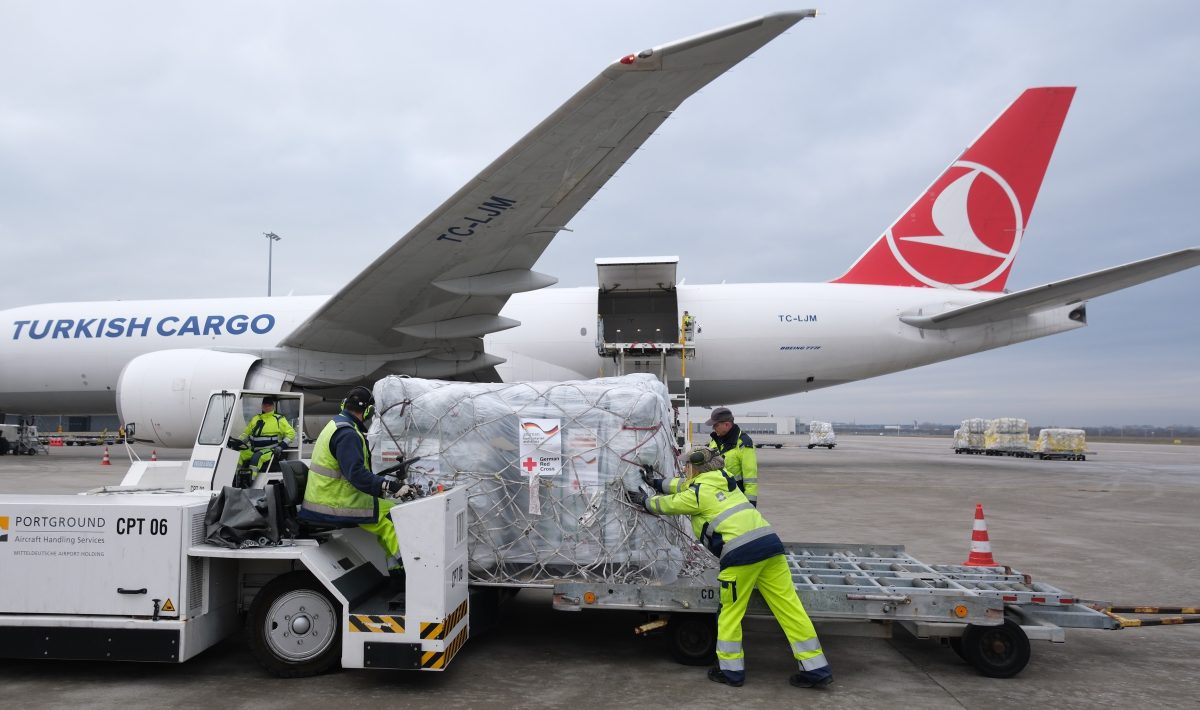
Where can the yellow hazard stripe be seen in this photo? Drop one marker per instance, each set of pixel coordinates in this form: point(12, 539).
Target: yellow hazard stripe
point(438, 660)
point(437, 630)
point(1155, 609)
point(433, 630)
point(1128, 623)
point(369, 623)
point(458, 614)
point(456, 644)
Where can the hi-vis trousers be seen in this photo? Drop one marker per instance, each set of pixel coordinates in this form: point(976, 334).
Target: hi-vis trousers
point(385, 532)
point(774, 582)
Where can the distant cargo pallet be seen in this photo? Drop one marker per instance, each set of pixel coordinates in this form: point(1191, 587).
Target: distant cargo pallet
point(1026, 454)
point(81, 439)
point(1061, 455)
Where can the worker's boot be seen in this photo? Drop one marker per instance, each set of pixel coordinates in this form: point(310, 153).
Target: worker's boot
point(716, 675)
point(808, 680)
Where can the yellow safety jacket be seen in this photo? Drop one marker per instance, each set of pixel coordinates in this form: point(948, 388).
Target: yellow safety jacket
point(329, 496)
point(741, 461)
point(268, 429)
point(722, 517)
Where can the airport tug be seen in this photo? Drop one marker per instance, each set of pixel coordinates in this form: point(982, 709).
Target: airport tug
point(124, 572)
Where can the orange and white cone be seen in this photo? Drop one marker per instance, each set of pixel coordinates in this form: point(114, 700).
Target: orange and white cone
point(104, 461)
point(154, 454)
point(981, 547)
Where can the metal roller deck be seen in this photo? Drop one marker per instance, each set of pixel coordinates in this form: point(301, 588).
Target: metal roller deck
point(988, 614)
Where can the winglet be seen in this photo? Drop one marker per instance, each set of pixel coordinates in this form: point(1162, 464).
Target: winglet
point(714, 47)
point(965, 230)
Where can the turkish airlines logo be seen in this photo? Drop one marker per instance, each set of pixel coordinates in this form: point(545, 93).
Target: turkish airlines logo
point(963, 233)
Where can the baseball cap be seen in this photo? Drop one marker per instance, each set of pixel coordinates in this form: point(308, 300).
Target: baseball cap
point(720, 414)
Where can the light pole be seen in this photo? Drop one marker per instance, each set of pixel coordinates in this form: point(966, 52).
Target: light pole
point(272, 237)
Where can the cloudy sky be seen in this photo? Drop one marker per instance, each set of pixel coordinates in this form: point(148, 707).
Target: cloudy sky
point(144, 148)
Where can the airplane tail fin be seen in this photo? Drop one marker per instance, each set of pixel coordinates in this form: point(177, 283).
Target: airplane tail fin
point(964, 231)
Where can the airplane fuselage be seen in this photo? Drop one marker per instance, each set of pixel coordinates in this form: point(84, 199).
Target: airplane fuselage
point(753, 341)
point(756, 341)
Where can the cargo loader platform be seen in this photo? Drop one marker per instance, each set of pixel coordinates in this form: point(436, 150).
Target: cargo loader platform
point(987, 615)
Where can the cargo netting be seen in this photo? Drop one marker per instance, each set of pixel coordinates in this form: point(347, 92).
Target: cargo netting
point(548, 466)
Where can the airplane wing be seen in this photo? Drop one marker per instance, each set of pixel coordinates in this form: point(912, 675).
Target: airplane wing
point(428, 300)
point(1060, 293)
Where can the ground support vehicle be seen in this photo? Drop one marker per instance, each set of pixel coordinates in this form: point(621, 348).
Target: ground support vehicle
point(988, 615)
point(125, 572)
point(20, 439)
point(127, 576)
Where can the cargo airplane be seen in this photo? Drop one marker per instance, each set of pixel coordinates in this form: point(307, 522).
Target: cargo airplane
point(456, 297)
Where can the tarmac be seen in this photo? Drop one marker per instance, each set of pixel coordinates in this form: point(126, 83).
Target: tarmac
point(1121, 527)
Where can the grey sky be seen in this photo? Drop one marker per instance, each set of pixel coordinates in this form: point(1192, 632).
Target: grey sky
point(145, 146)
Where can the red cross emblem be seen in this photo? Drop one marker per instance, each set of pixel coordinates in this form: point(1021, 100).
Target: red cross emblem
point(529, 464)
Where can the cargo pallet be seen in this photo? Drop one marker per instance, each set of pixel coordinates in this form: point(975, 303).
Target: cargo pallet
point(1026, 454)
point(1061, 455)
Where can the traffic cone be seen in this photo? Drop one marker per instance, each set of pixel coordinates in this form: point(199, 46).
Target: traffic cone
point(154, 454)
point(981, 547)
point(104, 461)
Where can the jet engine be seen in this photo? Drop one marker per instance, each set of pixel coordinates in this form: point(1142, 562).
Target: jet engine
point(165, 393)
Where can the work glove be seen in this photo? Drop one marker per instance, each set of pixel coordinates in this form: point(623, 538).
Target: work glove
point(393, 487)
point(235, 444)
point(638, 498)
point(652, 479)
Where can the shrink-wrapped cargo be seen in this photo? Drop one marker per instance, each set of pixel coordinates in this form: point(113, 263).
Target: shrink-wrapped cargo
point(1061, 441)
point(548, 466)
point(970, 435)
point(974, 426)
point(1007, 434)
point(821, 434)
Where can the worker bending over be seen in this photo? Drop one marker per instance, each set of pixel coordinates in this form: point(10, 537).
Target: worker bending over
point(751, 556)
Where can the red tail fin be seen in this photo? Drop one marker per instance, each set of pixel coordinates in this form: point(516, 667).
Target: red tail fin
point(965, 230)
